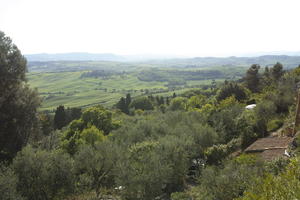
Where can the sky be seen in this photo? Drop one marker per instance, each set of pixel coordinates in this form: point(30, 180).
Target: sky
point(158, 27)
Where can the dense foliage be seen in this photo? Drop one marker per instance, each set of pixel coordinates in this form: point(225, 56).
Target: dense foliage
point(177, 147)
point(18, 103)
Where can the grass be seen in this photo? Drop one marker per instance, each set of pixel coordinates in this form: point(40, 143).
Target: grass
point(68, 89)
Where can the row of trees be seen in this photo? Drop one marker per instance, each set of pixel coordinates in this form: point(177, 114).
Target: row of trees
point(127, 106)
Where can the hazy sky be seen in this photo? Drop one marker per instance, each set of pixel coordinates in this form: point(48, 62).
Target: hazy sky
point(179, 27)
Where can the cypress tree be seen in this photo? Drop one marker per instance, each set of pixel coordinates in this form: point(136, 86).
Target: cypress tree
point(60, 118)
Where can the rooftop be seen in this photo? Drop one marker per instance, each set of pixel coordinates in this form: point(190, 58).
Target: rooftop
point(269, 143)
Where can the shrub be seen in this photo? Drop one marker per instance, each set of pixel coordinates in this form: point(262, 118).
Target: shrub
point(180, 196)
point(42, 174)
point(232, 89)
point(8, 184)
point(273, 125)
point(142, 103)
point(178, 103)
point(95, 166)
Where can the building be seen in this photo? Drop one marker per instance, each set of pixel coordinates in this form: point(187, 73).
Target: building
point(271, 148)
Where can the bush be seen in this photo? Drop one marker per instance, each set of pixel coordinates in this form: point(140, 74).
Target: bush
point(43, 175)
point(142, 103)
point(273, 125)
point(227, 182)
point(178, 103)
point(232, 89)
point(95, 166)
point(180, 196)
point(8, 184)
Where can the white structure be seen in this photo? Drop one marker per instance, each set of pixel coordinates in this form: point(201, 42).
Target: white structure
point(250, 107)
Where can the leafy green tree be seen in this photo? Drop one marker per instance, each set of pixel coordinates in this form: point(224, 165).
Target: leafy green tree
point(71, 139)
point(72, 114)
point(286, 185)
point(197, 101)
point(92, 135)
point(18, 103)
point(142, 172)
point(167, 101)
point(46, 123)
point(178, 103)
point(223, 119)
point(215, 154)
point(267, 72)
point(277, 71)
point(100, 118)
point(213, 84)
point(8, 184)
point(231, 89)
point(43, 175)
point(142, 103)
point(97, 163)
point(227, 182)
point(245, 125)
point(283, 95)
point(264, 111)
point(128, 100)
point(176, 155)
point(252, 78)
point(94, 123)
point(122, 105)
point(60, 117)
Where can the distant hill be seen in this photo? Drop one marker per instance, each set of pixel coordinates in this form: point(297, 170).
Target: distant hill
point(88, 61)
point(74, 57)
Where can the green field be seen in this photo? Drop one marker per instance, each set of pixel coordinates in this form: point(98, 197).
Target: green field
point(58, 84)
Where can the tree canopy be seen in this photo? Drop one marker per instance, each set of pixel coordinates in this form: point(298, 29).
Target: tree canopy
point(18, 103)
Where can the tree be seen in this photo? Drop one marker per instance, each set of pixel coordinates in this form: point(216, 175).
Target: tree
point(72, 114)
point(43, 174)
point(142, 103)
point(60, 118)
point(267, 72)
point(90, 129)
point(227, 182)
point(18, 103)
point(8, 184)
point(286, 185)
point(97, 163)
point(167, 101)
point(122, 105)
point(178, 103)
point(213, 84)
point(196, 101)
point(92, 135)
point(231, 89)
point(46, 123)
point(142, 171)
point(100, 118)
point(128, 101)
point(252, 78)
point(277, 71)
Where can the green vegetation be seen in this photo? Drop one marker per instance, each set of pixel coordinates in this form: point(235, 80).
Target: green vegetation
point(164, 145)
point(73, 90)
point(18, 103)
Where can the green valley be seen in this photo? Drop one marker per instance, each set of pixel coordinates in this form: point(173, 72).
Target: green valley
point(76, 89)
